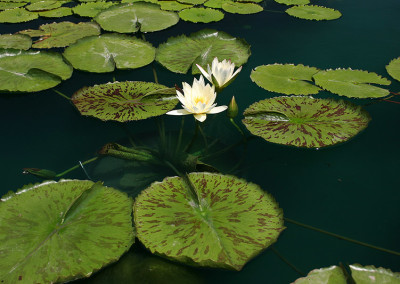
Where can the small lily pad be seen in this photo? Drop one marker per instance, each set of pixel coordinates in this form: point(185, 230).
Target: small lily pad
point(173, 5)
point(293, 2)
point(11, 5)
point(57, 13)
point(125, 101)
point(304, 121)
point(61, 231)
point(329, 275)
point(217, 4)
point(352, 83)
point(15, 41)
point(181, 53)
point(241, 8)
point(106, 52)
point(371, 275)
point(43, 5)
point(393, 68)
point(17, 15)
point(313, 12)
point(192, 2)
point(287, 79)
point(91, 9)
point(201, 15)
point(229, 223)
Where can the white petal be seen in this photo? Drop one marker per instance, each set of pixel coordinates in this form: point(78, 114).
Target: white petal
point(200, 117)
point(178, 112)
point(217, 109)
point(207, 75)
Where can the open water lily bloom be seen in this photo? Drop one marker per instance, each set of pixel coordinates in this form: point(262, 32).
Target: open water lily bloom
point(197, 100)
point(220, 73)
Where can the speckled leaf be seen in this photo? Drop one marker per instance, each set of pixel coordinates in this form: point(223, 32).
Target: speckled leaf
point(17, 15)
point(106, 52)
point(313, 12)
point(287, 79)
point(129, 18)
point(31, 71)
point(91, 9)
point(56, 13)
point(352, 83)
point(241, 8)
point(125, 101)
point(235, 221)
point(15, 41)
point(60, 231)
point(173, 5)
point(43, 5)
point(201, 15)
point(181, 53)
point(393, 68)
point(293, 2)
point(61, 34)
point(373, 275)
point(8, 5)
point(304, 121)
point(329, 275)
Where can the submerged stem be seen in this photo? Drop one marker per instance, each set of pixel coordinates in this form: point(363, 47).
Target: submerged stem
point(178, 144)
point(287, 261)
point(155, 75)
point(196, 132)
point(77, 166)
point(61, 94)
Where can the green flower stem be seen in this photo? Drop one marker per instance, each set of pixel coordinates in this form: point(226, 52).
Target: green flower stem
point(196, 132)
point(77, 166)
point(204, 138)
point(155, 75)
point(238, 128)
point(287, 261)
point(61, 94)
point(178, 144)
point(341, 237)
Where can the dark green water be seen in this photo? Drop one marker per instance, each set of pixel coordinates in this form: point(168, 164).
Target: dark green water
point(351, 189)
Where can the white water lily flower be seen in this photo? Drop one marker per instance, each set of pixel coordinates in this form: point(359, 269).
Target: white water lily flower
point(220, 73)
point(197, 100)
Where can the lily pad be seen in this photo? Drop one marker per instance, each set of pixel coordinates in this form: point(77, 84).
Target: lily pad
point(57, 13)
point(241, 8)
point(129, 18)
point(287, 79)
point(8, 5)
point(15, 41)
point(17, 15)
point(371, 275)
point(304, 121)
point(329, 275)
point(61, 34)
point(125, 101)
point(192, 2)
point(31, 71)
point(106, 52)
point(43, 5)
point(201, 15)
point(352, 83)
point(313, 12)
point(181, 53)
point(173, 5)
point(393, 68)
point(293, 2)
point(216, 3)
point(61, 231)
point(229, 223)
point(91, 9)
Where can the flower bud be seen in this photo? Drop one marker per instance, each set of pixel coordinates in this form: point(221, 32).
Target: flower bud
point(233, 110)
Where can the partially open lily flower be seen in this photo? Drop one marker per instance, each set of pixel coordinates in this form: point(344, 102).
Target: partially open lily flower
point(197, 100)
point(220, 73)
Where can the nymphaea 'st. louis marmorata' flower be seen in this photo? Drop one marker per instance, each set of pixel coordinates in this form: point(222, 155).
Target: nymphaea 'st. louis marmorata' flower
point(220, 73)
point(197, 100)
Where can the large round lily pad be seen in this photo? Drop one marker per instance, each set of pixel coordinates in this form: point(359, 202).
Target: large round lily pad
point(313, 12)
point(106, 52)
point(60, 231)
point(241, 8)
point(130, 18)
point(15, 41)
point(181, 53)
point(201, 15)
point(352, 83)
point(125, 101)
point(17, 15)
point(287, 79)
point(31, 71)
point(304, 121)
point(230, 221)
point(393, 68)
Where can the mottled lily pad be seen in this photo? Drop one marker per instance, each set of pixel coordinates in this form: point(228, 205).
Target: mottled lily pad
point(43, 5)
point(125, 101)
point(91, 9)
point(61, 231)
point(227, 224)
point(31, 71)
point(371, 275)
point(17, 15)
point(304, 121)
point(57, 13)
point(106, 52)
point(173, 5)
point(393, 68)
point(61, 34)
point(293, 2)
point(181, 53)
point(313, 12)
point(201, 15)
point(15, 41)
point(129, 18)
point(287, 79)
point(352, 83)
point(241, 8)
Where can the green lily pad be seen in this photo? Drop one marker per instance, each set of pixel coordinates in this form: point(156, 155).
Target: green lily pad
point(241, 8)
point(393, 68)
point(329, 275)
point(372, 275)
point(287, 79)
point(352, 83)
point(106, 52)
point(61, 34)
point(8, 5)
point(129, 18)
point(17, 15)
point(125, 101)
point(57, 13)
point(91, 9)
point(31, 71)
point(313, 12)
point(180, 53)
point(15, 41)
point(61, 231)
point(217, 4)
point(201, 15)
point(192, 2)
point(173, 5)
point(293, 2)
point(43, 5)
point(234, 222)
point(304, 121)
point(134, 1)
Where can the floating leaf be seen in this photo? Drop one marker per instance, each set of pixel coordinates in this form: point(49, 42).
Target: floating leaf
point(241, 8)
point(91, 9)
point(125, 101)
point(329, 275)
point(43, 5)
point(60, 231)
point(287, 79)
point(313, 12)
point(61, 34)
point(129, 18)
point(106, 52)
point(173, 5)
point(15, 41)
point(304, 121)
point(201, 15)
point(393, 68)
point(31, 71)
point(7, 5)
point(192, 2)
point(216, 3)
point(134, 1)
point(371, 275)
point(234, 222)
point(17, 15)
point(293, 2)
point(352, 83)
point(56, 13)
point(180, 53)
